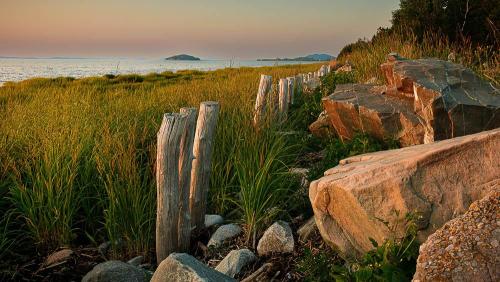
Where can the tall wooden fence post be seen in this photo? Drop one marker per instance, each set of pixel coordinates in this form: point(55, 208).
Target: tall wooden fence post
point(291, 90)
point(200, 173)
point(283, 99)
point(262, 97)
point(167, 181)
point(185, 164)
point(299, 85)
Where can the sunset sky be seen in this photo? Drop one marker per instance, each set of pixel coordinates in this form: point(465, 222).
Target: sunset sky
point(245, 29)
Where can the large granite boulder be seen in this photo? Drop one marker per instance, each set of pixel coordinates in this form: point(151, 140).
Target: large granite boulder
point(450, 99)
point(424, 100)
point(180, 267)
point(438, 181)
point(363, 108)
point(466, 248)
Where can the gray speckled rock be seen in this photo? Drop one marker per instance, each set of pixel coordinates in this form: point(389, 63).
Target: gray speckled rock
point(213, 219)
point(183, 267)
point(466, 248)
point(232, 264)
point(112, 271)
point(223, 233)
point(277, 239)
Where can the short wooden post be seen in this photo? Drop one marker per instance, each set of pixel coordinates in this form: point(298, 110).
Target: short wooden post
point(167, 182)
point(262, 97)
point(200, 173)
point(283, 99)
point(291, 90)
point(299, 81)
point(185, 164)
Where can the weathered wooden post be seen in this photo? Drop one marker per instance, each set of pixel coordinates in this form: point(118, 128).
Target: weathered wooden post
point(185, 164)
point(167, 183)
point(299, 81)
point(291, 90)
point(262, 97)
point(200, 173)
point(283, 99)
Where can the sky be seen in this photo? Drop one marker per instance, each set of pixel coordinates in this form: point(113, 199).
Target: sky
point(225, 29)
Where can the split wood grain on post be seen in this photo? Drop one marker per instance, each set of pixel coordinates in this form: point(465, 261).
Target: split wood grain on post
point(200, 173)
point(283, 99)
point(262, 98)
point(167, 180)
point(185, 166)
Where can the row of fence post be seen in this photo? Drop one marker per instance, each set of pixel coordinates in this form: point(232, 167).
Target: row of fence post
point(183, 165)
point(289, 90)
point(184, 153)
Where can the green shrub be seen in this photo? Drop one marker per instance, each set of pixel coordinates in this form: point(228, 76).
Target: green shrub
point(331, 80)
point(336, 150)
point(394, 260)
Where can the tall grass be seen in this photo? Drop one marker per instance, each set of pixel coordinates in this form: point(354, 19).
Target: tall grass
point(366, 56)
point(78, 155)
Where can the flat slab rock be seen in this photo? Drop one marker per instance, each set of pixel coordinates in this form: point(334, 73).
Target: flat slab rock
point(438, 181)
point(180, 267)
point(363, 108)
point(451, 99)
point(466, 248)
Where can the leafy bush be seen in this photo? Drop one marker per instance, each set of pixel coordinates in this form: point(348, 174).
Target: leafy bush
point(394, 260)
point(336, 150)
point(330, 81)
point(316, 266)
point(454, 19)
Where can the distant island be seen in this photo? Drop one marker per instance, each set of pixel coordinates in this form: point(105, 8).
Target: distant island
point(182, 57)
point(309, 58)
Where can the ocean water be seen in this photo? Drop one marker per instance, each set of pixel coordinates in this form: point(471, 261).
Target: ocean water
point(17, 69)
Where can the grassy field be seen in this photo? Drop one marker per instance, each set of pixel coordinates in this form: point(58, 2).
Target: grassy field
point(78, 156)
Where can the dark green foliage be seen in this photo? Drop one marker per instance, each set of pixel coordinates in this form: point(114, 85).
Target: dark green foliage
point(394, 260)
point(477, 20)
point(330, 81)
point(316, 266)
point(336, 150)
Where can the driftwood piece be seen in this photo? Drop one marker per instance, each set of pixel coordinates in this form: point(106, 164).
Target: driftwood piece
point(167, 181)
point(262, 97)
point(185, 164)
point(260, 274)
point(202, 163)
